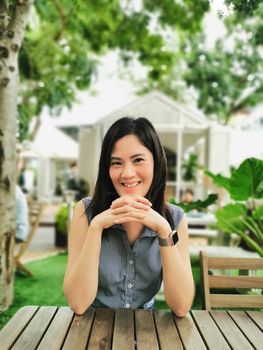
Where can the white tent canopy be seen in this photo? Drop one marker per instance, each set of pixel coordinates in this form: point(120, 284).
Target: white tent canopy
point(51, 142)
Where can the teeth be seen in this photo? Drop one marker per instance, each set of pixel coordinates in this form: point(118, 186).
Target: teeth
point(131, 185)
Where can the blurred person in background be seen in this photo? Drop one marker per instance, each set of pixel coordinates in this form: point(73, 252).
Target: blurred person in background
point(187, 196)
point(21, 216)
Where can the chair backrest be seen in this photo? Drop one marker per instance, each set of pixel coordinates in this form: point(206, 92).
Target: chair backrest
point(35, 212)
point(216, 281)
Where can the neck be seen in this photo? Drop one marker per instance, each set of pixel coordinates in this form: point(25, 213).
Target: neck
point(133, 230)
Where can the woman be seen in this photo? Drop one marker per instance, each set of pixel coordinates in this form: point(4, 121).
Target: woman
point(123, 241)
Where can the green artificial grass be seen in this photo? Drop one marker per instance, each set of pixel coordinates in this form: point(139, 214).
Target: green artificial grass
point(45, 287)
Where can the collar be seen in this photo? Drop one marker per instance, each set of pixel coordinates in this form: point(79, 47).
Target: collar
point(146, 232)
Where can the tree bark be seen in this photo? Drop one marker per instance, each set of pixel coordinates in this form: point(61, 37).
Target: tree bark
point(11, 37)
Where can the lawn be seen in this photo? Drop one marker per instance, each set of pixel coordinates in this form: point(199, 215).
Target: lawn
point(45, 287)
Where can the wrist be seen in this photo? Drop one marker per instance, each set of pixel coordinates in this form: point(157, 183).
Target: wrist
point(96, 226)
point(164, 231)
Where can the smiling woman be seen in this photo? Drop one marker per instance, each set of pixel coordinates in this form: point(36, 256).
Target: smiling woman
point(126, 241)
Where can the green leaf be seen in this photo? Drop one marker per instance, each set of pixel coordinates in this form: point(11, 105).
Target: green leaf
point(229, 218)
point(247, 181)
point(258, 213)
point(219, 180)
point(197, 205)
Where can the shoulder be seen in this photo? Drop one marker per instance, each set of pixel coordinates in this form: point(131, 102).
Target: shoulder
point(176, 212)
point(86, 202)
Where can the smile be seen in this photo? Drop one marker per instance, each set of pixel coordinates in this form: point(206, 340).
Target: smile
point(134, 184)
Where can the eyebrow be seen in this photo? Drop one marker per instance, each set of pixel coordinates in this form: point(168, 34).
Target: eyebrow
point(133, 156)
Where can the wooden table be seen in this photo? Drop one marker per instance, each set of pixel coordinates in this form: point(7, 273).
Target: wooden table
point(49, 327)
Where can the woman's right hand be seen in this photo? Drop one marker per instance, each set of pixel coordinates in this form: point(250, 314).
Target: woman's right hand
point(135, 206)
point(103, 220)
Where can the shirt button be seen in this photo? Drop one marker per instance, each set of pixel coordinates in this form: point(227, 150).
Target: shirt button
point(129, 285)
point(127, 305)
point(131, 262)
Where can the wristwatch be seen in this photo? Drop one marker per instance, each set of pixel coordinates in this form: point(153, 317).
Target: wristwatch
point(171, 240)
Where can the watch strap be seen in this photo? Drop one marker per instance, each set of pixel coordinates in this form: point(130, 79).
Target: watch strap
point(171, 240)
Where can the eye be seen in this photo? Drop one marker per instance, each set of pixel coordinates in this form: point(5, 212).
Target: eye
point(138, 160)
point(115, 163)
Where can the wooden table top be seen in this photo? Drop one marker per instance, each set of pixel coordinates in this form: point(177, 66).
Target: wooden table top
point(50, 327)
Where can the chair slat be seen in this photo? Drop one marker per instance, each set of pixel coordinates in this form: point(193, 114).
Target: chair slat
point(233, 300)
point(235, 263)
point(235, 282)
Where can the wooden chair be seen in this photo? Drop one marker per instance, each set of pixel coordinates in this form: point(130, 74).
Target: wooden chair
point(211, 300)
point(35, 212)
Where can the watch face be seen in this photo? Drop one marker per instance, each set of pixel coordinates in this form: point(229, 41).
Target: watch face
point(175, 237)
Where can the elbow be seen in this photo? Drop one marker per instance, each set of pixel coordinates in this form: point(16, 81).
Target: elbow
point(180, 309)
point(180, 312)
point(78, 309)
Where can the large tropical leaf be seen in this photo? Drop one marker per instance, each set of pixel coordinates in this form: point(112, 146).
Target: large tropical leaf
point(229, 218)
point(258, 213)
point(219, 180)
point(247, 181)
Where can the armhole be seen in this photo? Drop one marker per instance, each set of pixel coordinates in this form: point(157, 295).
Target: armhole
point(86, 201)
point(177, 214)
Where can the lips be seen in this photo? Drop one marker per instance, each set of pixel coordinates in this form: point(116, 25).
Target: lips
point(131, 185)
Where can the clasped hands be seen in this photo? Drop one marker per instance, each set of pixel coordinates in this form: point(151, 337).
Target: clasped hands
point(136, 208)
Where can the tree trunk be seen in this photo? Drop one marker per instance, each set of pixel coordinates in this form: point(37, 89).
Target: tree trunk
point(11, 37)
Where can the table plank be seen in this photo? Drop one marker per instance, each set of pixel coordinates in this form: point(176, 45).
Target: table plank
point(189, 333)
point(15, 326)
point(36, 328)
point(167, 332)
point(57, 331)
point(79, 331)
point(248, 327)
point(211, 334)
point(145, 330)
point(101, 334)
point(123, 335)
point(230, 330)
point(257, 317)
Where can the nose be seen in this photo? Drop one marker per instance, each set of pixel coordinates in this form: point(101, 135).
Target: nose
point(128, 171)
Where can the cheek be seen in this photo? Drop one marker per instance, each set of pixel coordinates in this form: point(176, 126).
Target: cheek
point(148, 172)
point(113, 175)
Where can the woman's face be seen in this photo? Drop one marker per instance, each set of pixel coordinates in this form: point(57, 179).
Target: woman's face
point(131, 167)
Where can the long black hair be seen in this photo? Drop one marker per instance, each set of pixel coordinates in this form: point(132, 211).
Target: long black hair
point(105, 193)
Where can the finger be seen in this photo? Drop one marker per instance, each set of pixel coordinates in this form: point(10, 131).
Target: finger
point(130, 208)
point(128, 219)
point(119, 202)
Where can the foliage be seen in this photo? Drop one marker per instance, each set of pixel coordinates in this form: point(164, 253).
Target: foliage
point(197, 205)
point(226, 78)
point(244, 216)
point(62, 218)
point(190, 165)
point(229, 77)
point(244, 7)
point(65, 38)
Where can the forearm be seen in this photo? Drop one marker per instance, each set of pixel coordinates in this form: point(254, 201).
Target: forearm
point(178, 281)
point(81, 281)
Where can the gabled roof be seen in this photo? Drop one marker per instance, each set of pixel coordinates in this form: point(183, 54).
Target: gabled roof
point(165, 113)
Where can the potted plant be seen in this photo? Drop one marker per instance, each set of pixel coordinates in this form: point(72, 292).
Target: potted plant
point(244, 215)
point(61, 225)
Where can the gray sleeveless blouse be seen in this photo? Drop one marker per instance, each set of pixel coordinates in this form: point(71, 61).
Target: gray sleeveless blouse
point(129, 276)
